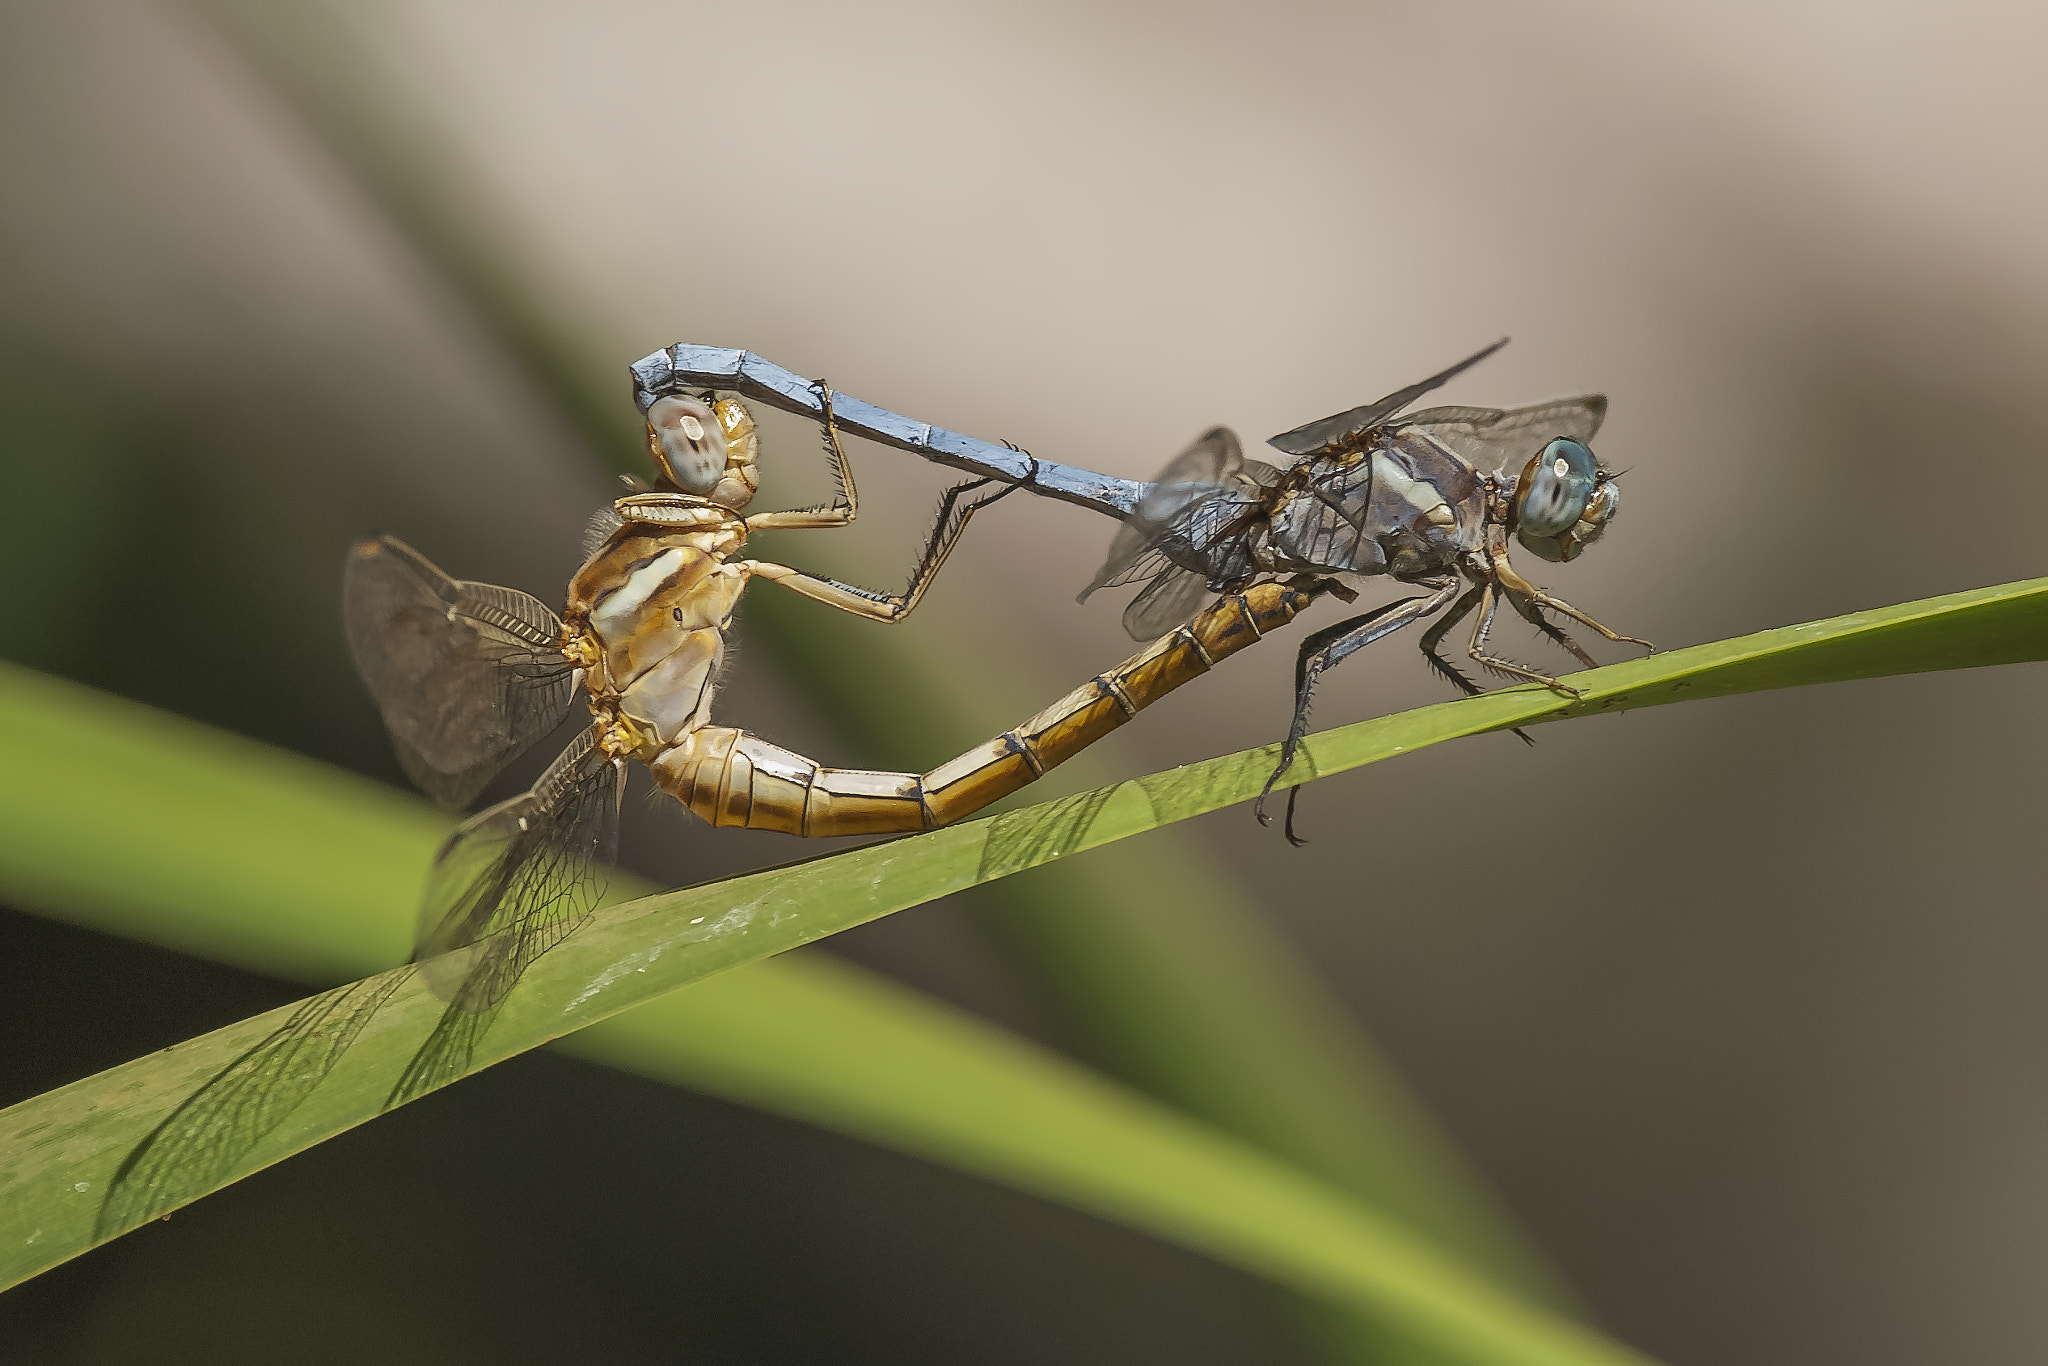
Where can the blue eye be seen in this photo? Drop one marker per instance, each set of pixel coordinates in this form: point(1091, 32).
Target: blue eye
point(1555, 488)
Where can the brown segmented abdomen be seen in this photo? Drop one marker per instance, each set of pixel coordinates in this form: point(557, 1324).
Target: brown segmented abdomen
point(731, 778)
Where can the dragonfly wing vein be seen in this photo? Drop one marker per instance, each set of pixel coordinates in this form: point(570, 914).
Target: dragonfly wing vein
point(517, 879)
point(1167, 601)
point(1501, 439)
point(467, 675)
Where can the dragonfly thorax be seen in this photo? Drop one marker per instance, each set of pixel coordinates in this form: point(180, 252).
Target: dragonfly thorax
point(1408, 509)
point(650, 608)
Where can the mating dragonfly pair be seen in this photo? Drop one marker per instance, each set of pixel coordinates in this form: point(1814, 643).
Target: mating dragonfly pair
point(1228, 549)
point(468, 676)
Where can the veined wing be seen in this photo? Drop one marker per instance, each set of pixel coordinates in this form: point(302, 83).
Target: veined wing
point(1172, 503)
point(1502, 438)
point(1170, 599)
point(198, 1145)
point(515, 879)
point(1341, 429)
point(1334, 522)
point(467, 675)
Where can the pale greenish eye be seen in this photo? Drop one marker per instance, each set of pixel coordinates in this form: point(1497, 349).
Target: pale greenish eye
point(1556, 487)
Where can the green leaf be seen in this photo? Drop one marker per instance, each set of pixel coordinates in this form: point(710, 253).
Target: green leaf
point(1116, 1154)
point(214, 844)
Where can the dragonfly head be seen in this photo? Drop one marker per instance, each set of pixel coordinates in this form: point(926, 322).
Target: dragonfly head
point(1563, 500)
point(705, 448)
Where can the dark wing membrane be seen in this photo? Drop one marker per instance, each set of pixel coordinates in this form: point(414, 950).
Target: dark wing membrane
point(1167, 601)
point(467, 675)
point(514, 880)
point(1340, 429)
point(1504, 438)
point(1193, 477)
point(1333, 522)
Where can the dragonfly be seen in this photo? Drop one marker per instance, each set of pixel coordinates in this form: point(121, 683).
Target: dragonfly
point(468, 676)
point(1428, 498)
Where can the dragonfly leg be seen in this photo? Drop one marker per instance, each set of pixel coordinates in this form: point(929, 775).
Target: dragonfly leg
point(1515, 584)
point(1325, 650)
point(1533, 614)
point(1489, 604)
point(1450, 672)
point(1434, 637)
point(955, 510)
point(844, 508)
point(1560, 605)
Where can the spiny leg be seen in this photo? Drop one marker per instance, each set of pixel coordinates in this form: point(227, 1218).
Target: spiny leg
point(844, 508)
point(949, 523)
point(848, 501)
point(1449, 671)
point(947, 528)
point(1324, 650)
point(842, 470)
point(1434, 637)
point(1560, 605)
point(1489, 604)
point(1533, 614)
point(1514, 583)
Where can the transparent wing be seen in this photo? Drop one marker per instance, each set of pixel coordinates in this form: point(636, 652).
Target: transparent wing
point(1497, 438)
point(1334, 522)
point(514, 880)
point(1173, 500)
point(1167, 601)
point(1340, 429)
point(467, 675)
point(1260, 473)
point(202, 1142)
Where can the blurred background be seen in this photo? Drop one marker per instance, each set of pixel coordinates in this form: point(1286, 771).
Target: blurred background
point(1734, 1006)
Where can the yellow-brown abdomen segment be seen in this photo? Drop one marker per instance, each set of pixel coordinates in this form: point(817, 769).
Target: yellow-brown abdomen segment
point(735, 779)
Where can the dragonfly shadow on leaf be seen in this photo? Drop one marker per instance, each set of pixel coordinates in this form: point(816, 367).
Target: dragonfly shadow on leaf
point(1198, 788)
point(1024, 839)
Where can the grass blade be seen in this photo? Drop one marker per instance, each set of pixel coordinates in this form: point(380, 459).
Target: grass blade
point(61, 1148)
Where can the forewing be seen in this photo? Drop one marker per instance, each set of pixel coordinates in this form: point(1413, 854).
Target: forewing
point(514, 880)
point(1171, 502)
point(1167, 601)
point(467, 675)
point(1341, 429)
point(1332, 521)
point(1503, 439)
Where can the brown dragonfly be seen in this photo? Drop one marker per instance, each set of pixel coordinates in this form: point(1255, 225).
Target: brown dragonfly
point(1428, 498)
point(468, 676)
